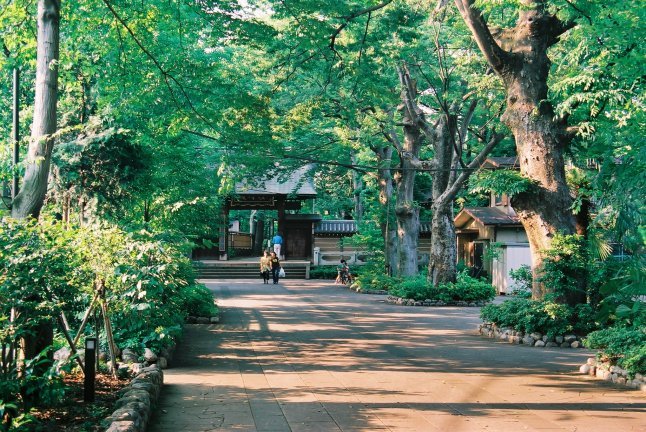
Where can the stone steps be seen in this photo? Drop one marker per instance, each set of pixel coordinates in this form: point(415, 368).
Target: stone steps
point(246, 270)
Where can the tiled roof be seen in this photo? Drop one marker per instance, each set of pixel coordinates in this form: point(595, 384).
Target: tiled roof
point(303, 217)
point(486, 216)
point(297, 184)
point(424, 227)
point(335, 227)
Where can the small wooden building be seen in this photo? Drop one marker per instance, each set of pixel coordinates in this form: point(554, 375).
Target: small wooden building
point(491, 239)
point(276, 194)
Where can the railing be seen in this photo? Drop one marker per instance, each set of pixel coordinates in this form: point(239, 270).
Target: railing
point(333, 257)
point(354, 257)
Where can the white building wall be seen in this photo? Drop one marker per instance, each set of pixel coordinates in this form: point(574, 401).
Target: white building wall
point(511, 257)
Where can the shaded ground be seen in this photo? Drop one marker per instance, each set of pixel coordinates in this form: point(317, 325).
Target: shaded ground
point(311, 356)
point(75, 415)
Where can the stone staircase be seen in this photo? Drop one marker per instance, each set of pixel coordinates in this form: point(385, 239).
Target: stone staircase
point(246, 270)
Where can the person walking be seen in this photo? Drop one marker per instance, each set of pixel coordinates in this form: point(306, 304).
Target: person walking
point(265, 266)
point(275, 266)
point(278, 244)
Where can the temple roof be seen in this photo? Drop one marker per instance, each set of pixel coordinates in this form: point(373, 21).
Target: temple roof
point(348, 227)
point(486, 216)
point(297, 184)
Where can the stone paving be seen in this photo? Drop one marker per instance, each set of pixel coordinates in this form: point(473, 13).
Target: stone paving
point(311, 356)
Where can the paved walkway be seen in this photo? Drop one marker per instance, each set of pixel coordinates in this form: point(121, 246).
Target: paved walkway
point(310, 356)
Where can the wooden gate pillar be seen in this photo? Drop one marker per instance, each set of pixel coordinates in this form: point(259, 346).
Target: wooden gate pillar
point(223, 238)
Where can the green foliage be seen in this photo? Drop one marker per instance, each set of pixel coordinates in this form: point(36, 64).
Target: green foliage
point(99, 165)
point(510, 182)
point(323, 272)
point(623, 291)
point(36, 261)
point(522, 277)
point(372, 277)
point(565, 268)
point(45, 270)
point(197, 300)
point(542, 316)
point(465, 288)
point(623, 346)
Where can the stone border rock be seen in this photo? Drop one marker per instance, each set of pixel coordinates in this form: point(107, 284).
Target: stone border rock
point(537, 340)
point(360, 290)
point(134, 408)
point(428, 302)
point(607, 372)
point(130, 359)
point(202, 320)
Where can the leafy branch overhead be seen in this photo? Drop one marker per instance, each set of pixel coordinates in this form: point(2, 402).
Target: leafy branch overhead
point(507, 181)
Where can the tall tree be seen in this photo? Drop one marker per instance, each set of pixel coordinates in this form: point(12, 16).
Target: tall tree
point(519, 55)
point(34, 187)
point(447, 136)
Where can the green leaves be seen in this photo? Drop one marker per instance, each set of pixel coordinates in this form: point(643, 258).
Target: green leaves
point(509, 182)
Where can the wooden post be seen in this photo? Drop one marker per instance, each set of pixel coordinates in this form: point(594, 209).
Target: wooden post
point(281, 226)
point(108, 330)
point(223, 240)
point(62, 322)
point(85, 318)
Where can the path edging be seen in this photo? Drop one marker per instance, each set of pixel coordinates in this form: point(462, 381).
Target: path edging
point(535, 339)
point(134, 408)
point(430, 303)
point(609, 373)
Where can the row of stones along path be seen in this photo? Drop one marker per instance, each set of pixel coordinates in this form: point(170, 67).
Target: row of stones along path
point(311, 356)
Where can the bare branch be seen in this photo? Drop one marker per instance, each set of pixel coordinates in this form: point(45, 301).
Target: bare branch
point(494, 54)
point(452, 191)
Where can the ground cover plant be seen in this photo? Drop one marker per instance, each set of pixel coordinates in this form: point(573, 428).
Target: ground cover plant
point(323, 272)
point(52, 273)
point(541, 316)
point(465, 288)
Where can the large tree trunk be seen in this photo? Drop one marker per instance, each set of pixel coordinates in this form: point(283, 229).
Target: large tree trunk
point(540, 140)
point(32, 194)
point(357, 184)
point(385, 182)
point(29, 200)
point(524, 66)
point(406, 210)
point(442, 264)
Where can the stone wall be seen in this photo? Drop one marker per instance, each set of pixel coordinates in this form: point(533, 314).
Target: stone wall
point(607, 372)
point(138, 399)
point(535, 339)
point(429, 302)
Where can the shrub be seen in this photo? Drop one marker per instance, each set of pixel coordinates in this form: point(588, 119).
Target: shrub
point(323, 272)
point(542, 316)
point(413, 288)
point(371, 276)
point(522, 278)
point(623, 346)
point(465, 288)
point(197, 300)
point(565, 269)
